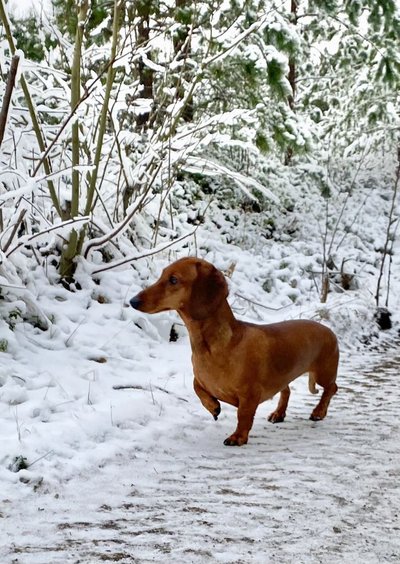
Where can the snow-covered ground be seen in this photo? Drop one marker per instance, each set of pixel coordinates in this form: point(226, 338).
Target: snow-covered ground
point(125, 465)
point(143, 476)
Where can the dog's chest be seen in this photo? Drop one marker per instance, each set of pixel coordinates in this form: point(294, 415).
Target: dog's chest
point(215, 374)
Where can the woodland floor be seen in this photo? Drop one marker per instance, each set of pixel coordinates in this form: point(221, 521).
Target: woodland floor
point(299, 492)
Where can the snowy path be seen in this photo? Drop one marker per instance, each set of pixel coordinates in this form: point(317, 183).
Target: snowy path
point(299, 492)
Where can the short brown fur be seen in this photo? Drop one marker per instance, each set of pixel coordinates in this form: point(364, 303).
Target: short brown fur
point(241, 363)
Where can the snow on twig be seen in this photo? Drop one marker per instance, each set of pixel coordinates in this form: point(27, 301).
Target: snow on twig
point(69, 224)
point(154, 251)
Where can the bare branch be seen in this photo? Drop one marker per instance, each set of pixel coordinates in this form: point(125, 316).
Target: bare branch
point(7, 95)
point(28, 241)
point(14, 230)
point(145, 255)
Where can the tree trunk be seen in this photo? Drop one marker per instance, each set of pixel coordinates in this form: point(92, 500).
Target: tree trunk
point(69, 252)
point(146, 75)
point(182, 49)
point(294, 5)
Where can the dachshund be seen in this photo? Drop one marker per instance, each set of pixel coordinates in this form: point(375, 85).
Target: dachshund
point(241, 363)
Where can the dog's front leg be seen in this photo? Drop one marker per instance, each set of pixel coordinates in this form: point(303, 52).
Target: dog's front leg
point(246, 411)
point(209, 402)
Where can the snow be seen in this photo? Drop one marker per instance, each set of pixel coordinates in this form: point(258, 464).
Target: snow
point(23, 8)
point(124, 464)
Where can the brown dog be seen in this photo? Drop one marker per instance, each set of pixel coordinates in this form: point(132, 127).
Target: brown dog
point(241, 363)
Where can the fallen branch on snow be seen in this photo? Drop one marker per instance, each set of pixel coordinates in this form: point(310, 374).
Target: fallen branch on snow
point(138, 387)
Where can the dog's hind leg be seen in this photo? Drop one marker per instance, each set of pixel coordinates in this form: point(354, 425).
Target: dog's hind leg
point(278, 416)
point(324, 374)
point(321, 409)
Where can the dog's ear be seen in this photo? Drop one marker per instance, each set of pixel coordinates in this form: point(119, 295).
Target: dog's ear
point(208, 291)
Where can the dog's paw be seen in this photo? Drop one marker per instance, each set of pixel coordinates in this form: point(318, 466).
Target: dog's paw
point(276, 418)
point(315, 417)
point(216, 412)
point(230, 442)
point(234, 441)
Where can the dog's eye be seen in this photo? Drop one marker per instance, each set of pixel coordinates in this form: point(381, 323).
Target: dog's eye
point(173, 280)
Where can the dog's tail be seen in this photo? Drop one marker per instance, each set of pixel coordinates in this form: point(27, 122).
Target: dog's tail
point(311, 383)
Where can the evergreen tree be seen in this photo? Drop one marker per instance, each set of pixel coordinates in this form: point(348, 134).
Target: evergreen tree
point(355, 88)
point(97, 27)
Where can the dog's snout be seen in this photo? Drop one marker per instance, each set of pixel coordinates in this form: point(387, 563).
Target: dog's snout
point(135, 302)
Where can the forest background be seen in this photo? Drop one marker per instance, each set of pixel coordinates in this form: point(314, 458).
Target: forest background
point(132, 123)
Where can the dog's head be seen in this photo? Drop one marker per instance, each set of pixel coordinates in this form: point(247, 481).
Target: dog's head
point(191, 286)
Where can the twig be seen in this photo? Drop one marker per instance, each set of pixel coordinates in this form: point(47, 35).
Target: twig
point(356, 216)
point(145, 255)
point(391, 262)
point(389, 225)
point(14, 230)
point(150, 389)
point(104, 111)
point(346, 200)
point(49, 230)
point(40, 458)
point(74, 331)
point(32, 110)
point(261, 305)
point(7, 95)
point(152, 395)
point(17, 423)
point(118, 229)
